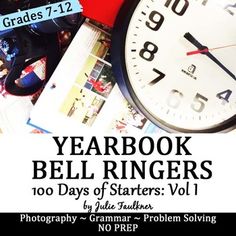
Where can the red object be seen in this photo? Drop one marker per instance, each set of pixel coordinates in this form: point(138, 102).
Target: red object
point(205, 50)
point(197, 52)
point(103, 11)
point(97, 85)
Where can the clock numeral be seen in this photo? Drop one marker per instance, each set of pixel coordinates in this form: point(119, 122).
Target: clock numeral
point(148, 52)
point(174, 98)
point(199, 103)
point(179, 7)
point(225, 95)
point(156, 21)
point(157, 79)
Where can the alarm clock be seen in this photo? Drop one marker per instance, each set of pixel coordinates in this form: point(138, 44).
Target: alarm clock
point(174, 62)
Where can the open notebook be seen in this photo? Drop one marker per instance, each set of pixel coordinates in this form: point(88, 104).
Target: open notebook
point(82, 94)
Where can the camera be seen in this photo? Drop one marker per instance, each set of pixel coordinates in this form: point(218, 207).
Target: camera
point(23, 46)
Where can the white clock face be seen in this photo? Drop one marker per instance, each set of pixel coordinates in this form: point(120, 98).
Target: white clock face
point(194, 92)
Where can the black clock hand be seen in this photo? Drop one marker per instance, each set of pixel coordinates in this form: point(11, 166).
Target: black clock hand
point(192, 40)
